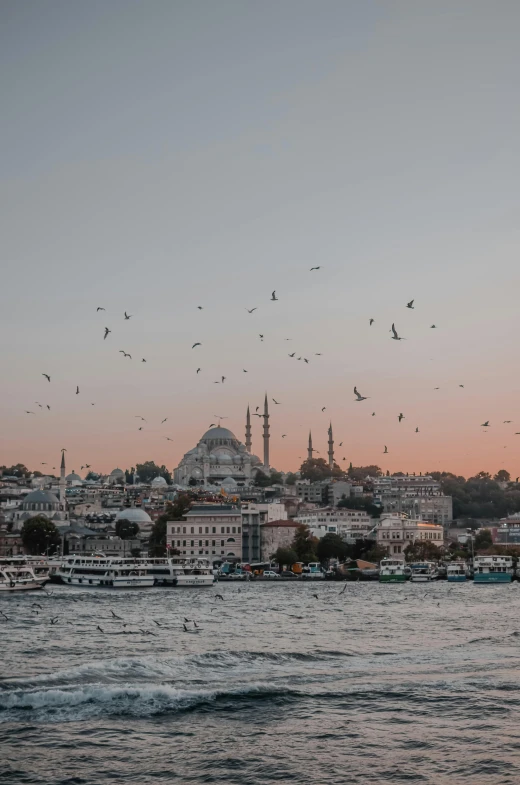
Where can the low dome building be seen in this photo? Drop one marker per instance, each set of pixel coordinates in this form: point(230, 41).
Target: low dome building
point(73, 479)
point(135, 515)
point(159, 482)
point(116, 477)
point(39, 502)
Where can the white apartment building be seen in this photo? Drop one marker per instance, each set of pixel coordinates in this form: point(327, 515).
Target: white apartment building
point(352, 525)
point(395, 532)
point(210, 530)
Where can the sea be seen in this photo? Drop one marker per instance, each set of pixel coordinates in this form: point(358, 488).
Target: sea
point(295, 683)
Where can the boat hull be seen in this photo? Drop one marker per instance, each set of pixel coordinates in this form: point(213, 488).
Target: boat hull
point(493, 577)
point(393, 578)
point(141, 582)
point(29, 586)
point(457, 578)
point(423, 578)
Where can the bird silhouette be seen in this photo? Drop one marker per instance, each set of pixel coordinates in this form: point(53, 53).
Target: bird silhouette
point(508, 421)
point(417, 430)
point(292, 355)
point(200, 307)
point(359, 396)
point(276, 402)
point(410, 304)
point(223, 379)
point(46, 376)
point(273, 296)
point(39, 404)
point(485, 424)
point(386, 450)
point(164, 420)
point(433, 327)
point(261, 336)
point(284, 435)
point(48, 407)
point(140, 429)
point(323, 408)
point(128, 315)
point(305, 360)
point(107, 331)
point(99, 308)
point(251, 311)
point(401, 416)
point(244, 370)
point(138, 416)
point(371, 322)
point(461, 385)
point(198, 370)
point(373, 414)
point(170, 440)
point(315, 268)
point(395, 336)
point(317, 354)
point(143, 360)
point(196, 344)
point(77, 390)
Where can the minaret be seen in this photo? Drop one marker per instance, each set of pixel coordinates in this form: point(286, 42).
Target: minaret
point(62, 481)
point(266, 434)
point(331, 448)
point(248, 431)
point(309, 449)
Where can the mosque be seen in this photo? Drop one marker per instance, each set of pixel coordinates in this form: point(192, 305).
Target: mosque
point(44, 502)
point(221, 459)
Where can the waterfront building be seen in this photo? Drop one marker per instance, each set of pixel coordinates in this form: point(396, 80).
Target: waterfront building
point(274, 535)
point(135, 515)
point(419, 496)
point(395, 532)
point(253, 516)
point(210, 530)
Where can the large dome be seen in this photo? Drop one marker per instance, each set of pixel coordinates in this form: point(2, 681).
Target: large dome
point(117, 473)
point(218, 433)
point(40, 497)
point(134, 514)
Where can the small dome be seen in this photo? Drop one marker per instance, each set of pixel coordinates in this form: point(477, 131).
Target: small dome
point(229, 482)
point(73, 477)
point(134, 514)
point(117, 473)
point(223, 457)
point(159, 482)
point(40, 497)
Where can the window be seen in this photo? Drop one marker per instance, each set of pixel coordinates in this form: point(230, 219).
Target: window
point(206, 530)
point(184, 543)
point(233, 530)
point(213, 543)
point(222, 530)
point(206, 544)
point(213, 530)
point(200, 544)
point(222, 544)
point(193, 543)
point(184, 529)
point(192, 530)
point(200, 529)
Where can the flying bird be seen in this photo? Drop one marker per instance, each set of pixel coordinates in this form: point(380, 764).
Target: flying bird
point(373, 414)
point(143, 360)
point(433, 327)
point(99, 308)
point(508, 421)
point(128, 315)
point(251, 311)
point(485, 424)
point(46, 376)
point(273, 296)
point(315, 268)
point(164, 420)
point(261, 336)
point(395, 336)
point(401, 416)
point(461, 385)
point(138, 416)
point(410, 304)
point(277, 402)
point(48, 407)
point(196, 344)
point(125, 354)
point(323, 408)
point(223, 378)
point(244, 370)
point(198, 370)
point(371, 322)
point(140, 429)
point(386, 450)
point(107, 331)
point(359, 396)
point(39, 404)
point(200, 307)
point(317, 354)
point(284, 435)
point(305, 360)
point(77, 390)
point(171, 440)
point(417, 430)
point(292, 355)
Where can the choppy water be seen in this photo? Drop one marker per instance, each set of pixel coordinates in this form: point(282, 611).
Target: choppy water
point(381, 684)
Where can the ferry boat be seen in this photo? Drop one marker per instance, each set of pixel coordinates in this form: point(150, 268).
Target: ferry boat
point(38, 565)
point(393, 571)
point(493, 569)
point(106, 573)
point(178, 572)
point(424, 571)
point(18, 579)
point(457, 571)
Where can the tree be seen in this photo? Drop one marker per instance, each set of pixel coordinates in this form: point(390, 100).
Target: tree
point(174, 512)
point(92, 476)
point(483, 540)
point(262, 480)
point(304, 544)
point(149, 470)
point(291, 478)
point(18, 470)
point(375, 554)
point(276, 478)
point(129, 475)
point(39, 535)
point(317, 469)
point(285, 557)
point(502, 476)
point(360, 473)
point(331, 546)
point(126, 529)
point(361, 503)
point(422, 550)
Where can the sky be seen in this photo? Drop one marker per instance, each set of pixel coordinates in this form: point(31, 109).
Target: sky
point(166, 155)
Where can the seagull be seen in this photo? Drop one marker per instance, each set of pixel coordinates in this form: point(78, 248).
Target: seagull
point(277, 402)
point(323, 408)
point(87, 466)
point(251, 311)
point(315, 268)
point(48, 407)
point(128, 315)
point(140, 429)
point(371, 322)
point(171, 440)
point(219, 597)
point(508, 421)
point(77, 390)
point(107, 331)
point(410, 304)
point(143, 360)
point(115, 615)
point(273, 296)
point(433, 327)
point(138, 416)
point(461, 385)
point(39, 404)
point(257, 408)
point(386, 450)
point(244, 370)
point(373, 414)
point(395, 336)
point(436, 388)
point(196, 344)
point(341, 444)
point(317, 354)
point(261, 337)
point(292, 355)
point(401, 416)
point(125, 354)
point(417, 430)
point(198, 370)
point(284, 435)
point(164, 420)
point(485, 424)
point(99, 628)
point(200, 307)
point(99, 308)
point(223, 378)
point(305, 360)
point(359, 396)
point(46, 376)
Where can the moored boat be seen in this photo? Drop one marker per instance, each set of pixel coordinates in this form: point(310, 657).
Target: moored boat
point(424, 571)
point(492, 569)
point(393, 571)
point(93, 571)
point(457, 571)
point(18, 579)
point(181, 573)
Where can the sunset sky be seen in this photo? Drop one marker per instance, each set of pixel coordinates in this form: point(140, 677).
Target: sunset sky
point(163, 155)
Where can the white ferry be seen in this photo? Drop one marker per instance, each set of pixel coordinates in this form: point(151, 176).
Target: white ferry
point(38, 565)
point(424, 571)
point(178, 572)
point(493, 569)
point(457, 571)
point(106, 573)
point(393, 571)
point(18, 579)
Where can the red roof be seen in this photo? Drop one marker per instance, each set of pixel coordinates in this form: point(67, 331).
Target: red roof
point(282, 523)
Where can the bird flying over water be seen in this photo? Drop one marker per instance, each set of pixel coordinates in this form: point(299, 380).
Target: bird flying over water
point(252, 309)
point(99, 308)
point(359, 396)
point(46, 376)
point(386, 450)
point(273, 296)
point(485, 424)
point(107, 331)
point(77, 390)
point(401, 416)
point(395, 336)
point(277, 402)
point(410, 304)
point(196, 344)
point(371, 322)
point(128, 315)
point(315, 268)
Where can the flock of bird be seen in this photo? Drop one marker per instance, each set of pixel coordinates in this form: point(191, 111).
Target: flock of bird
point(359, 397)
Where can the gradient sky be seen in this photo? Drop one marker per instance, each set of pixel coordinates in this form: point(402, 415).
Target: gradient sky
point(161, 155)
